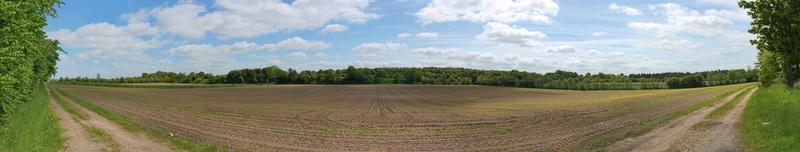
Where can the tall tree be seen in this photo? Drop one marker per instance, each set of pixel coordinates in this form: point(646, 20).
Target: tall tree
point(776, 24)
point(27, 57)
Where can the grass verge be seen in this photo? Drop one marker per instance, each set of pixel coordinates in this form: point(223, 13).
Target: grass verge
point(33, 127)
point(721, 111)
point(711, 118)
point(600, 142)
point(771, 121)
point(103, 137)
point(159, 134)
point(66, 107)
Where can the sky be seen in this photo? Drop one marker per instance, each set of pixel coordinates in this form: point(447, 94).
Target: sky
point(129, 37)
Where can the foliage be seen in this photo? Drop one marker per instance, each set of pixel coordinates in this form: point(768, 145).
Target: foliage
point(776, 24)
point(440, 76)
point(34, 127)
point(770, 122)
point(27, 57)
point(768, 71)
point(690, 81)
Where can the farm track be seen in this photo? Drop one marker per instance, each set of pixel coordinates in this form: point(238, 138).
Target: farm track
point(78, 138)
point(392, 118)
point(119, 138)
point(666, 136)
point(719, 134)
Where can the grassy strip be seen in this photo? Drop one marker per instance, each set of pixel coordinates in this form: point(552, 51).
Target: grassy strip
point(66, 107)
point(177, 86)
point(600, 142)
point(102, 136)
point(33, 127)
point(771, 121)
point(721, 111)
point(155, 133)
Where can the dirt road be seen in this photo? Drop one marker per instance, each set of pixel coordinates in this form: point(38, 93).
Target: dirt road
point(663, 138)
point(719, 135)
point(81, 140)
point(78, 138)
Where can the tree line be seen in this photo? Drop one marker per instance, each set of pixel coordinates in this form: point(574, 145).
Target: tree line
point(443, 76)
point(27, 57)
point(776, 25)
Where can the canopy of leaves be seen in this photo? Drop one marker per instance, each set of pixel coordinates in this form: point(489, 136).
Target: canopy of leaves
point(27, 57)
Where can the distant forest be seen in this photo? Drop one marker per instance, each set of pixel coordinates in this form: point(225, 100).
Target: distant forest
point(444, 76)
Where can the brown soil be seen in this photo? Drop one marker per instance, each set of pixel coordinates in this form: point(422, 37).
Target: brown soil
point(390, 117)
point(78, 139)
point(719, 135)
point(127, 141)
point(662, 138)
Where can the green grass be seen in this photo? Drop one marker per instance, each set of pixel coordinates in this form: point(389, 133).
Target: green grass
point(718, 113)
point(33, 127)
point(721, 111)
point(160, 134)
point(66, 107)
point(600, 142)
point(771, 121)
point(103, 137)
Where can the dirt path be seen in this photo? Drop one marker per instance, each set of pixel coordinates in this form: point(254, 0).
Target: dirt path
point(662, 138)
point(78, 139)
point(127, 141)
point(719, 135)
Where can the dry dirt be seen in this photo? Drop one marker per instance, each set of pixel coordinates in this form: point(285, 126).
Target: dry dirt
point(664, 137)
point(126, 140)
point(78, 139)
point(720, 135)
point(390, 117)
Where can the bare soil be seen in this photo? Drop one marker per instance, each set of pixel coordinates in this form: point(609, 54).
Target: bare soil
point(720, 135)
point(127, 141)
point(662, 138)
point(390, 117)
point(78, 139)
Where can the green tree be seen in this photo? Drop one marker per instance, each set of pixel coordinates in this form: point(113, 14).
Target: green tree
point(27, 57)
point(776, 24)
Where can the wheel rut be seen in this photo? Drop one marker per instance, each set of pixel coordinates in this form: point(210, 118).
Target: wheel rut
point(662, 138)
point(126, 140)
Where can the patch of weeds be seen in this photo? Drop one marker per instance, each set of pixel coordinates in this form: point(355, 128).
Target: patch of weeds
point(103, 137)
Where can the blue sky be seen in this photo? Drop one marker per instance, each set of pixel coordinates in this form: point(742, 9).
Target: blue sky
point(129, 37)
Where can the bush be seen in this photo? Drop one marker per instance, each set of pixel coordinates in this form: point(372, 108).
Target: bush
point(27, 57)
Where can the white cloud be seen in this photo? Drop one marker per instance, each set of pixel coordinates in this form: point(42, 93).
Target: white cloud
point(297, 55)
point(480, 60)
point(333, 28)
point(681, 19)
point(374, 49)
point(403, 35)
point(104, 41)
point(296, 43)
point(488, 10)
point(669, 45)
point(733, 3)
point(321, 55)
point(427, 35)
point(207, 55)
point(562, 49)
point(502, 33)
point(624, 9)
point(599, 33)
point(250, 18)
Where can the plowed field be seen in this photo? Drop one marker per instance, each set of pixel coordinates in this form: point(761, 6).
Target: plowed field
point(390, 117)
